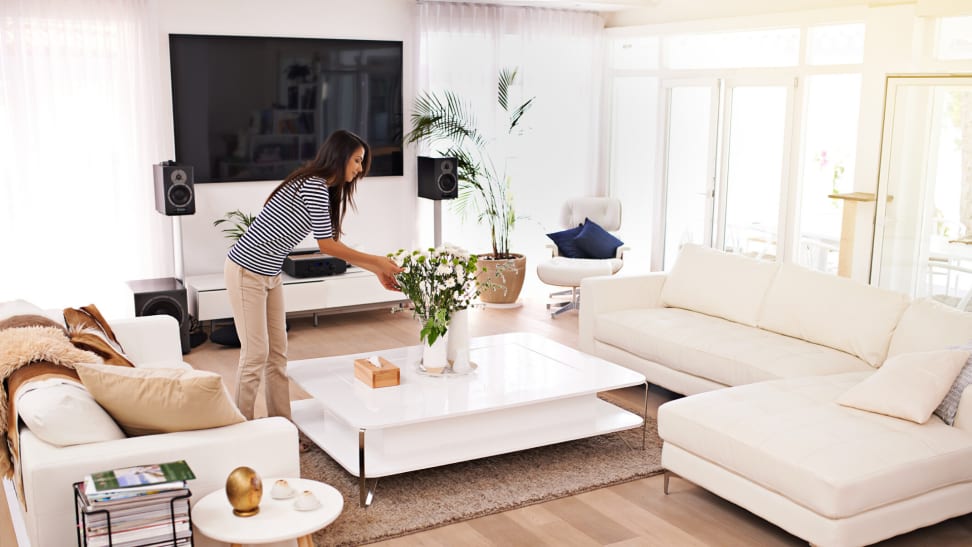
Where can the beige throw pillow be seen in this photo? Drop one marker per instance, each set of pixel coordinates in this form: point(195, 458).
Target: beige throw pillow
point(160, 400)
point(908, 386)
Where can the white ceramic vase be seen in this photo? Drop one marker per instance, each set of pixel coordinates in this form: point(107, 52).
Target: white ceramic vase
point(435, 356)
point(458, 346)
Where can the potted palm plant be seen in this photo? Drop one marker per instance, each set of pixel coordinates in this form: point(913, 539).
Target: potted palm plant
point(445, 119)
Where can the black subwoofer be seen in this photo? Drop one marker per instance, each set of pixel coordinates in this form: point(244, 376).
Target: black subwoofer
point(163, 296)
point(174, 194)
point(438, 178)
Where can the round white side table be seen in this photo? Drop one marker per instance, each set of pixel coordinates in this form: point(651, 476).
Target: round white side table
point(278, 520)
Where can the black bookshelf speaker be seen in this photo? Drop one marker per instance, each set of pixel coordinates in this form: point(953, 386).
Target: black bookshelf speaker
point(174, 194)
point(163, 296)
point(438, 178)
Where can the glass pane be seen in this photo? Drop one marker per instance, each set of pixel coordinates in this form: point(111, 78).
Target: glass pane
point(687, 179)
point(927, 241)
point(829, 146)
point(633, 145)
point(954, 40)
point(756, 144)
point(757, 48)
point(635, 53)
point(836, 44)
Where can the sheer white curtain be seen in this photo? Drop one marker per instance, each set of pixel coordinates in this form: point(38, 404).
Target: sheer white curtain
point(462, 47)
point(79, 103)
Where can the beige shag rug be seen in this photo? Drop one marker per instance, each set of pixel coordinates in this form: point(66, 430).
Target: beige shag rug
point(425, 499)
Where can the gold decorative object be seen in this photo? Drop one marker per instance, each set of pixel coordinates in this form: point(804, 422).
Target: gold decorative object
point(244, 489)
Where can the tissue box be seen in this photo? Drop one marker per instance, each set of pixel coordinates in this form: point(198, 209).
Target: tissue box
point(386, 376)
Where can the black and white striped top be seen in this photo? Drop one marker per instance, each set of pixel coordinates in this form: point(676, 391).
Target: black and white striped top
point(296, 210)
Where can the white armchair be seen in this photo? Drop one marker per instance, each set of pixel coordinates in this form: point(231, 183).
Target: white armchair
point(582, 241)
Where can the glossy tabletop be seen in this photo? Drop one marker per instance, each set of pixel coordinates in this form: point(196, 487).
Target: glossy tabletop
point(513, 370)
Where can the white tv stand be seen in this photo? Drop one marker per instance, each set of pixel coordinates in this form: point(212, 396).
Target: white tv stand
point(354, 290)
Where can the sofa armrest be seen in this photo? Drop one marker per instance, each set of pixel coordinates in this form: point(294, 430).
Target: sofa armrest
point(150, 340)
point(267, 445)
point(963, 416)
point(612, 293)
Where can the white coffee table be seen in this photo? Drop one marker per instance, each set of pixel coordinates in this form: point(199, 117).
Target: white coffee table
point(278, 520)
point(528, 391)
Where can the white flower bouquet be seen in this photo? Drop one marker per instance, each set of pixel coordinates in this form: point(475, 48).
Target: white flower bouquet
point(438, 281)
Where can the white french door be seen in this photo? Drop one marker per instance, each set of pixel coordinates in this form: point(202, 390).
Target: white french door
point(726, 162)
point(923, 215)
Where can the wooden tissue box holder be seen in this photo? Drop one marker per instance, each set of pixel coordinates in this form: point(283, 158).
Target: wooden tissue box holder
point(386, 376)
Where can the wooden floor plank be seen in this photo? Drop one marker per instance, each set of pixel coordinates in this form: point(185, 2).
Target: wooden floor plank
point(590, 520)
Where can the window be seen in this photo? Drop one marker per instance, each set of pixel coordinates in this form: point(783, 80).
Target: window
point(635, 53)
point(954, 38)
point(835, 44)
point(757, 48)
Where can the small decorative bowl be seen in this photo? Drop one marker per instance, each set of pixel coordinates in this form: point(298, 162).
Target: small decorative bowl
point(282, 490)
point(307, 501)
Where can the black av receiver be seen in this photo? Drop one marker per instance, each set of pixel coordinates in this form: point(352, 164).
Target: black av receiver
point(313, 264)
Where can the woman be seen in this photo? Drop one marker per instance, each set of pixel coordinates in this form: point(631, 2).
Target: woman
point(311, 200)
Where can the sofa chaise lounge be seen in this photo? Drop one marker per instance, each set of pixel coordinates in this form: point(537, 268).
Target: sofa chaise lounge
point(786, 343)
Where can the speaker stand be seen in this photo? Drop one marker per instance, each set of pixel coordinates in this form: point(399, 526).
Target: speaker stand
point(178, 261)
point(437, 223)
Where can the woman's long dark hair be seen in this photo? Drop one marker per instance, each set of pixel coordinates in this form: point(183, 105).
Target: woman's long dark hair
point(330, 164)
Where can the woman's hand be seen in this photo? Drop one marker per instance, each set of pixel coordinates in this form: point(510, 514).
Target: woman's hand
point(386, 269)
point(382, 266)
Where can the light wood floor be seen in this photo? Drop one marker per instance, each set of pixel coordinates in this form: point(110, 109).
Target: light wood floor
point(635, 513)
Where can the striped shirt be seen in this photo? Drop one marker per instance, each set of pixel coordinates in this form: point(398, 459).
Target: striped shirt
point(298, 209)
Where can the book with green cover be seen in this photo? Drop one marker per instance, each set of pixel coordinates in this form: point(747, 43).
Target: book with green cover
point(142, 475)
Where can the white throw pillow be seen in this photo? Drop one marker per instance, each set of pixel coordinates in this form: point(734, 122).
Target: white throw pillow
point(63, 413)
point(908, 386)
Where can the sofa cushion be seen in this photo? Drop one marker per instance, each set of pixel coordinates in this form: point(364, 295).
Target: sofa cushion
point(719, 284)
point(833, 311)
point(949, 407)
point(566, 244)
point(908, 386)
point(61, 412)
point(596, 242)
point(791, 438)
point(718, 350)
point(160, 400)
point(929, 325)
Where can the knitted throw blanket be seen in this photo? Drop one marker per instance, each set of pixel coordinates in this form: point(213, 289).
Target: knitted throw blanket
point(20, 347)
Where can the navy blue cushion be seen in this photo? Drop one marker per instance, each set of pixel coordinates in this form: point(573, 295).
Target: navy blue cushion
point(565, 242)
point(596, 242)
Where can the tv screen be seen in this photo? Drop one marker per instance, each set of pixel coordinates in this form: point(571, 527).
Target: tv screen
point(255, 108)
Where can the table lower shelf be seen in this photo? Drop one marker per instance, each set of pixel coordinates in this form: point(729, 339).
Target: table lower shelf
point(401, 449)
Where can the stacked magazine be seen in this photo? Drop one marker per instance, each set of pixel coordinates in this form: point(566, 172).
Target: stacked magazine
point(145, 505)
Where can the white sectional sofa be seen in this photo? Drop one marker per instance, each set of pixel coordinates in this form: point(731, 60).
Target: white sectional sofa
point(267, 445)
point(791, 341)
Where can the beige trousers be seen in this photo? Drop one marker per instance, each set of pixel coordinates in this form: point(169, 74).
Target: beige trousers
point(261, 323)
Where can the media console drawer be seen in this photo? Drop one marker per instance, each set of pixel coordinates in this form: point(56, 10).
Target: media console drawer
point(208, 299)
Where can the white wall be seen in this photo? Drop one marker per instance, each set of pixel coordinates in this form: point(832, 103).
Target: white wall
point(387, 216)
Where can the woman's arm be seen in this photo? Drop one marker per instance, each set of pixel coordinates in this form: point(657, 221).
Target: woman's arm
point(382, 266)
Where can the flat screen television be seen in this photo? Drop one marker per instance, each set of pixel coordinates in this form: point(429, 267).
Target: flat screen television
point(255, 108)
